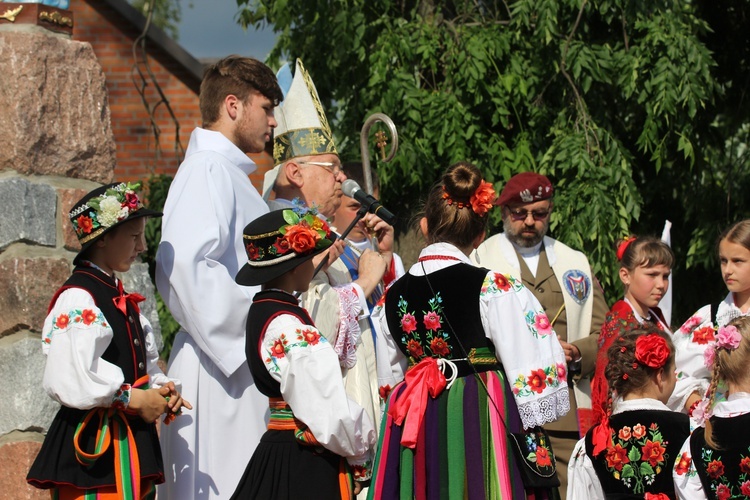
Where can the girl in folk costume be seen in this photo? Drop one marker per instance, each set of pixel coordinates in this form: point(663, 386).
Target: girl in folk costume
point(316, 435)
point(101, 364)
point(471, 358)
point(697, 333)
point(630, 453)
point(645, 265)
point(715, 461)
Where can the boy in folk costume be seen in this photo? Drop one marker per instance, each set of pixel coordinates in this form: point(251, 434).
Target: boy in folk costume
point(308, 171)
point(101, 363)
point(316, 435)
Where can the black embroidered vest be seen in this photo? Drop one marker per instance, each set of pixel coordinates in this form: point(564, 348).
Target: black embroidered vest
point(266, 306)
point(640, 459)
point(725, 469)
point(128, 347)
point(417, 317)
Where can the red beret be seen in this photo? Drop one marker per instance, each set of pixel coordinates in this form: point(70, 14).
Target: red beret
point(526, 187)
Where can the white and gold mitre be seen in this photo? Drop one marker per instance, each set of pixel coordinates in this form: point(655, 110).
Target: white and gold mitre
point(302, 128)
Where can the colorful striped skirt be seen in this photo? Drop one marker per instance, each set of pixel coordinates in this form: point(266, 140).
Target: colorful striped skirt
point(462, 449)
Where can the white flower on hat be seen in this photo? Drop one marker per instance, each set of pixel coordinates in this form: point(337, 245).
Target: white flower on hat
point(110, 211)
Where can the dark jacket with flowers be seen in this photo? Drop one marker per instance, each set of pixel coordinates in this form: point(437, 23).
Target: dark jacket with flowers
point(724, 470)
point(432, 337)
point(640, 457)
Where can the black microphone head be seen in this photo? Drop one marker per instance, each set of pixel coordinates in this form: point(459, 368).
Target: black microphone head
point(349, 187)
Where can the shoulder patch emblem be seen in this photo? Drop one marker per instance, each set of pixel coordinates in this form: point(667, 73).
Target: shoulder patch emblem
point(577, 284)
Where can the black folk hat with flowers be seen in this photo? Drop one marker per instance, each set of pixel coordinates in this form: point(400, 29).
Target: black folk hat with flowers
point(103, 209)
point(281, 240)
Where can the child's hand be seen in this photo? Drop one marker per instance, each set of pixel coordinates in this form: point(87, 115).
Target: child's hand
point(149, 403)
point(174, 403)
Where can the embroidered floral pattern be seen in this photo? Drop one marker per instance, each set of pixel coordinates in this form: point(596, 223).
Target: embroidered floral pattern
point(723, 486)
point(538, 380)
point(362, 472)
point(121, 399)
point(636, 455)
point(499, 283)
point(683, 466)
point(704, 335)
point(537, 451)
point(278, 348)
point(87, 317)
point(538, 323)
point(435, 342)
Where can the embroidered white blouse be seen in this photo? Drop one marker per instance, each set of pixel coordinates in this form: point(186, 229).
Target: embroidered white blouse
point(515, 322)
point(306, 366)
point(74, 337)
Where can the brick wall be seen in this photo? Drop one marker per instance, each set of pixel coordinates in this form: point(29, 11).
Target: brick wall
point(139, 154)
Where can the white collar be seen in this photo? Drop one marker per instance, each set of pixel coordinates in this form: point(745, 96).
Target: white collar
point(620, 405)
point(210, 140)
point(508, 250)
point(736, 404)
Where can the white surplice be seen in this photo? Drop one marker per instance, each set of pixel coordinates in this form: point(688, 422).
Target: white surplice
point(210, 202)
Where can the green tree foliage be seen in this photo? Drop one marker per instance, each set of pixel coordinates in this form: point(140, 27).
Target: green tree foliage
point(637, 111)
point(167, 14)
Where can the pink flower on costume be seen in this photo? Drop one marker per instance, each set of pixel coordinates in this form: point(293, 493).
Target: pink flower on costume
point(562, 372)
point(745, 488)
point(728, 337)
point(408, 323)
point(691, 324)
point(624, 433)
point(708, 357)
point(431, 321)
point(542, 324)
point(723, 492)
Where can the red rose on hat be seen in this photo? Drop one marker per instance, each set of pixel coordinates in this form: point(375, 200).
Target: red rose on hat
point(526, 187)
point(301, 238)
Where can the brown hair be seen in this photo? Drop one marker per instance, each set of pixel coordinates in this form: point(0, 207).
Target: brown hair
point(238, 76)
point(620, 373)
point(739, 233)
point(729, 366)
point(454, 223)
point(647, 251)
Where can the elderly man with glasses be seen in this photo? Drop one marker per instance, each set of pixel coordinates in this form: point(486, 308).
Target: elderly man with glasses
point(561, 279)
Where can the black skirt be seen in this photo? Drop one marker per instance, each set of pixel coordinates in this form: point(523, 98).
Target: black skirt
point(283, 469)
point(56, 464)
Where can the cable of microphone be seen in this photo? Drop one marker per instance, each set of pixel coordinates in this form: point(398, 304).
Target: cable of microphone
point(353, 190)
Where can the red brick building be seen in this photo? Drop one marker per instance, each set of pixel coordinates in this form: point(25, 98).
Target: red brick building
point(112, 27)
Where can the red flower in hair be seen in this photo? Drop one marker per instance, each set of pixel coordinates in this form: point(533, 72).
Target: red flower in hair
point(624, 244)
point(483, 198)
point(651, 350)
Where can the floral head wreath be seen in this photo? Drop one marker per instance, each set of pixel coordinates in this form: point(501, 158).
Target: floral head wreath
point(480, 202)
point(281, 240)
point(97, 214)
point(624, 244)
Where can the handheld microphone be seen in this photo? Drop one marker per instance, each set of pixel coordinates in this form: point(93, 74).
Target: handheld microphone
point(353, 190)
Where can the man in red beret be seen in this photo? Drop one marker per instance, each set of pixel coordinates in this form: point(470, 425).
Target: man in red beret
point(561, 279)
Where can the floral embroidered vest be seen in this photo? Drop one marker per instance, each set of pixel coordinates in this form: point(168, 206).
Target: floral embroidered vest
point(645, 445)
point(266, 306)
point(128, 347)
point(724, 472)
point(417, 318)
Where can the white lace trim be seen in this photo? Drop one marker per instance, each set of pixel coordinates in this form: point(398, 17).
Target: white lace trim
point(349, 330)
point(545, 409)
